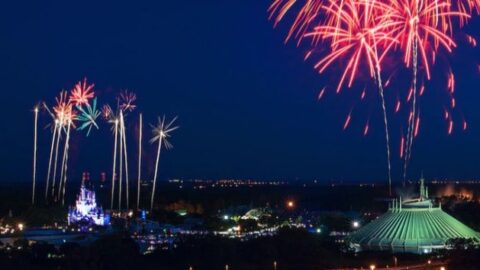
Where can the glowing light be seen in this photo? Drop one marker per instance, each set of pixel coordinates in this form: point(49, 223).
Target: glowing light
point(290, 204)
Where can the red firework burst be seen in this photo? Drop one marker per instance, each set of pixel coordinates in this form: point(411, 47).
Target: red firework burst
point(82, 93)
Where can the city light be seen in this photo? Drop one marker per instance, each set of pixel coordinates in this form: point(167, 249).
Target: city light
point(226, 217)
point(372, 267)
point(20, 226)
point(356, 224)
point(290, 204)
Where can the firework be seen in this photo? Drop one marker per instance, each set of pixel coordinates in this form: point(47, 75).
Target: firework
point(82, 93)
point(305, 18)
point(421, 27)
point(356, 34)
point(115, 128)
point(63, 176)
point(127, 100)
point(124, 141)
point(107, 112)
point(57, 144)
point(364, 32)
point(88, 116)
point(120, 173)
point(34, 176)
point(356, 37)
point(161, 134)
point(55, 130)
point(139, 171)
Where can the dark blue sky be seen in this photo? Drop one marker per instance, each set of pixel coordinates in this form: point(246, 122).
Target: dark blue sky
point(246, 102)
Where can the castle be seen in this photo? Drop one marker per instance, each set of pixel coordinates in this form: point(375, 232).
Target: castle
point(86, 211)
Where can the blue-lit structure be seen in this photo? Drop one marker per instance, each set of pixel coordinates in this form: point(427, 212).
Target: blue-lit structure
point(86, 212)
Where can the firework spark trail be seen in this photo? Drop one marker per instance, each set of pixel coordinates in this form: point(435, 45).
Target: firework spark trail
point(57, 143)
point(126, 103)
point(51, 157)
point(410, 131)
point(347, 121)
point(385, 118)
point(387, 137)
point(114, 162)
point(120, 177)
point(61, 192)
point(139, 160)
point(366, 128)
point(125, 159)
point(159, 149)
point(62, 168)
point(356, 31)
point(63, 112)
point(34, 176)
point(421, 28)
point(161, 133)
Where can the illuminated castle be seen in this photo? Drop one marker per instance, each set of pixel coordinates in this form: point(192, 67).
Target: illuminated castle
point(86, 211)
point(415, 226)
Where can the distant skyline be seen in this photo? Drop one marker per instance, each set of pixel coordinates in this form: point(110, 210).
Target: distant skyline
point(247, 103)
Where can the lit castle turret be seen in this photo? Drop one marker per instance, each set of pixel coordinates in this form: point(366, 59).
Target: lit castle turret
point(86, 210)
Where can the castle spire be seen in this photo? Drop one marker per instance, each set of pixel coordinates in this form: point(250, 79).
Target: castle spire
point(422, 188)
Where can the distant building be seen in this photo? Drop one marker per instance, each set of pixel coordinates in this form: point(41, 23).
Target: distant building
point(411, 226)
point(86, 211)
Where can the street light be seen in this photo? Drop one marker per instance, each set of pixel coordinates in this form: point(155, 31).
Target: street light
point(372, 267)
point(274, 265)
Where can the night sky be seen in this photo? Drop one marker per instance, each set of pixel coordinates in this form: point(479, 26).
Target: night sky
point(247, 103)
